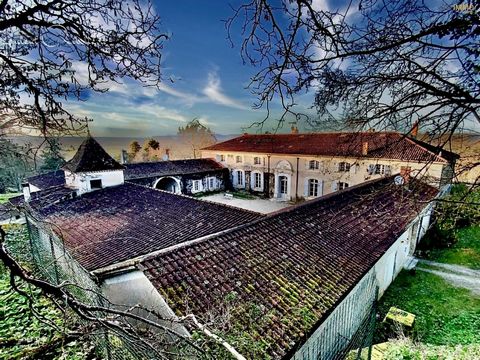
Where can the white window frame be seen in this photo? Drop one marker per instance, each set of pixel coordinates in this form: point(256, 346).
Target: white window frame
point(313, 165)
point(197, 185)
point(344, 166)
point(257, 176)
point(239, 178)
point(222, 157)
point(313, 187)
point(342, 185)
point(212, 183)
point(257, 160)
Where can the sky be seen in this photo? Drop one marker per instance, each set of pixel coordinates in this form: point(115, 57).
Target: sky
point(210, 81)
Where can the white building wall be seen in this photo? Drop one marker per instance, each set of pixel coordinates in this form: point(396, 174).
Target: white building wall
point(81, 181)
point(327, 173)
point(133, 288)
point(345, 319)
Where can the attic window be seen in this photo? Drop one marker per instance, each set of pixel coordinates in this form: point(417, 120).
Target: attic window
point(96, 184)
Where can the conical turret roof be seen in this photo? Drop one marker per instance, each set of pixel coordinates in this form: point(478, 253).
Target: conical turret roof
point(91, 156)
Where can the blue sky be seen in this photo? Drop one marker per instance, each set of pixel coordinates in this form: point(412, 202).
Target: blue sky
point(210, 81)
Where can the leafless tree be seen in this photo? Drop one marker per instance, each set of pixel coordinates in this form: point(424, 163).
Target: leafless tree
point(55, 50)
point(196, 136)
point(371, 64)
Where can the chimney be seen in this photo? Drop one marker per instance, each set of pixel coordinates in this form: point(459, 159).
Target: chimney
point(123, 157)
point(365, 148)
point(294, 129)
point(26, 192)
point(414, 131)
point(405, 173)
point(166, 157)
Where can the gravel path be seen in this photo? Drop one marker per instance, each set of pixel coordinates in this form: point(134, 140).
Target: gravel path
point(459, 276)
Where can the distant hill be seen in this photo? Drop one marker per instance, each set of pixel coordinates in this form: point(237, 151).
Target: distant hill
point(114, 145)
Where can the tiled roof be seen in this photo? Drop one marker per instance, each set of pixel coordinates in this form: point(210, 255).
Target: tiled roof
point(49, 179)
point(175, 167)
point(91, 156)
point(46, 197)
point(119, 223)
point(387, 145)
point(292, 266)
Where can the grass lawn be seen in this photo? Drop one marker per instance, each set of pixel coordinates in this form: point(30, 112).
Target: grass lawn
point(445, 315)
point(465, 252)
point(4, 197)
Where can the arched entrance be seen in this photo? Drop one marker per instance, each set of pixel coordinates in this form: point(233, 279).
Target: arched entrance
point(169, 184)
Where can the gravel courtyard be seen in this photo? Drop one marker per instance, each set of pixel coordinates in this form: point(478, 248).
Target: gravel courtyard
point(263, 206)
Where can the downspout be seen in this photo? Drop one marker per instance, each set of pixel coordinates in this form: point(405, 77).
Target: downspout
point(268, 176)
point(296, 183)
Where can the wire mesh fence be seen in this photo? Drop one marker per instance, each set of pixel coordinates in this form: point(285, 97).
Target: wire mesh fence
point(43, 252)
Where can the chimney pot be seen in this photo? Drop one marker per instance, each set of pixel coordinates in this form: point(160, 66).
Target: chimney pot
point(123, 157)
point(26, 192)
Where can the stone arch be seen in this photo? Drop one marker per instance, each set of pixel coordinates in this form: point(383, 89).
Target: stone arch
point(168, 183)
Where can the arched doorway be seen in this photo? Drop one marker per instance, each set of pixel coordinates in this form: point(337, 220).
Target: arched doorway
point(169, 184)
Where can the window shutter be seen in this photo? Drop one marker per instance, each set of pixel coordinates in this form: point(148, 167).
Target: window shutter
point(334, 185)
point(252, 180)
point(307, 164)
point(353, 168)
point(371, 169)
point(320, 188)
point(305, 188)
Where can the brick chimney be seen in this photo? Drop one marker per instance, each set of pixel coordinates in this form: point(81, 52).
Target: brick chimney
point(414, 131)
point(405, 173)
point(365, 148)
point(294, 129)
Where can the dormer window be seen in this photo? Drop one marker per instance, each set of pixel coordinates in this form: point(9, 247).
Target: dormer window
point(96, 184)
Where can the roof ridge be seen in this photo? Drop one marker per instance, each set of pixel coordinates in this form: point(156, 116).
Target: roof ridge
point(253, 222)
point(197, 199)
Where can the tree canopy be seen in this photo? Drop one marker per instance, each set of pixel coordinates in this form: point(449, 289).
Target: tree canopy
point(385, 65)
point(196, 136)
point(58, 50)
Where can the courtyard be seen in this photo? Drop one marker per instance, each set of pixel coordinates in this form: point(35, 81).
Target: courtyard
point(251, 203)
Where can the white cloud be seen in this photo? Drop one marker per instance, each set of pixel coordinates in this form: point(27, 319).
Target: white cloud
point(213, 91)
point(161, 112)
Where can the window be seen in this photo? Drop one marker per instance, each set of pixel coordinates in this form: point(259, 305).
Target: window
point(238, 159)
point(382, 169)
point(257, 180)
point(96, 184)
point(222, 158)
point(239, 178)
point(343, 167)
point(257, 160)
point(342, 185)
point(313, 187)
point(212, 183)
point(230, 156)
point(314, 165)
point(283, 181)
point(197, 185)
